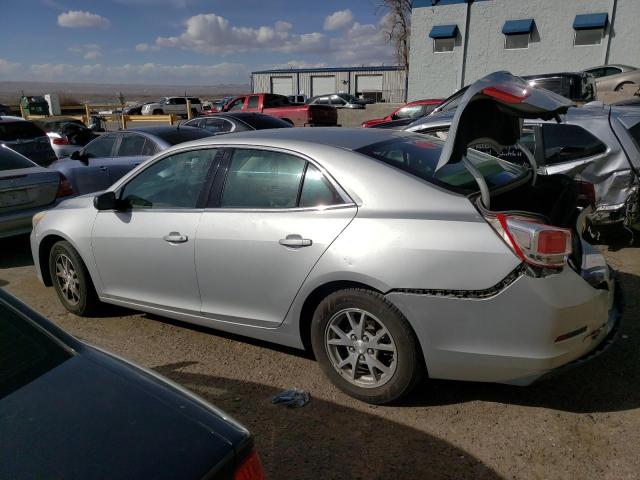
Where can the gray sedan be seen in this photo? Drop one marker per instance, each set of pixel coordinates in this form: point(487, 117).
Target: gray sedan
point(26, 188)
point(391, 255)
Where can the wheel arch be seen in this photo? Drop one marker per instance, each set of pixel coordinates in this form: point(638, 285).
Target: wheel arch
point(44, 248)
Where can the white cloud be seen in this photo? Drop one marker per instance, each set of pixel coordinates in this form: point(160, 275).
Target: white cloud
point(82, 19)
point(145, 47)
point(339, 20)
point(8, 68)
point(151, 73)
point(298, 64)
point(211, 33)
point(89, 51)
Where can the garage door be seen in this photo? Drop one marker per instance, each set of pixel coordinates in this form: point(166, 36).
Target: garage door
point(323, 85)
point(368, 83)
point(282, 85)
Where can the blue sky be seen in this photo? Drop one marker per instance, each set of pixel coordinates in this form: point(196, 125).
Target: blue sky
point(203, 42)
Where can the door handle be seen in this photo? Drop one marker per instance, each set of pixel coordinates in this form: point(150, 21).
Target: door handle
point(103, 168)
point(175, 237)
point(295, 241)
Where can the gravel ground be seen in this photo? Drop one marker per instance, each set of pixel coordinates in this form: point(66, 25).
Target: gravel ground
point(584, 424)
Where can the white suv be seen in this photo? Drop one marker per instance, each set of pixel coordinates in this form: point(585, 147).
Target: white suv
point(172, 105)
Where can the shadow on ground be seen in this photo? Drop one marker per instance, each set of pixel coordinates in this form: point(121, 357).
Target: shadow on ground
point(326, 440)
point(15, 252)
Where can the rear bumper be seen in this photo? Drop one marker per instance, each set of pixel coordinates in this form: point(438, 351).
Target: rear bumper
point(514, 336)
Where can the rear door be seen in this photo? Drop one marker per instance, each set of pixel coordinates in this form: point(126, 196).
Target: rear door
point(268, 223)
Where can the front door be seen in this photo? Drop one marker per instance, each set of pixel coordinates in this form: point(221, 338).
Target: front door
point(91, 174)
point(145, 252)
point(273, 220)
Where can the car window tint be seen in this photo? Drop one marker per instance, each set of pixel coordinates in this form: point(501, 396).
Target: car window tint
point(100, 147)
point(26, 352)
point(271, 100)
point(408, 112)
point(611, 71)
point(10, 160)
point(254, 100)
point(19, 130)
point(131, 145)
point(564, 143)
point(317, 190)
point(237, 104)
point(149, 148)
point(259, 121)
point(179, 101)
point(173, 136)
point(218, 125)
point(262, 179)
point(173, 182)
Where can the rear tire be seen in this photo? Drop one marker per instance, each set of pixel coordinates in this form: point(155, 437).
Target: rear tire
point(365, 346)
point(71, 280)
point(158, 111)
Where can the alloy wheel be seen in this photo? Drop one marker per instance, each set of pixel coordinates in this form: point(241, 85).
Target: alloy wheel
point(360, 348)
point(67, 279)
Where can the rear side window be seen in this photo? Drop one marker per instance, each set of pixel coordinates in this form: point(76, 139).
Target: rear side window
point(263, 122)
point(10, 160)
point(565, 143)
point(131, 145)
point(254, 100)
point(262, 179)
point(179, 101)
point(276, 101)
point(195, 101)
point(20, 130)
point(317, 191)
point(218, 125)
point(26, 352)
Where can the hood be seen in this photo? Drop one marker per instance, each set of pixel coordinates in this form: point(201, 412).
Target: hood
point(492, 109)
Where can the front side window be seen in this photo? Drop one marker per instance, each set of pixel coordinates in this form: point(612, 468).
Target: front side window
point(131, 145)
point(589, 36)
point(444, 44)
point(237, 104)
point(101, 147)
point(564, 143)
point(336, 100)
point(262, 179)
point(517, 40)
point(173, 182)
point(611, 71)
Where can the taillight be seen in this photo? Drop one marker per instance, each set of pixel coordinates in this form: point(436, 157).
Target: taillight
point(250, 468)
point(586, 194)
point(64, 187)
point(507, 93)
point(535, 243)
point(60, 141)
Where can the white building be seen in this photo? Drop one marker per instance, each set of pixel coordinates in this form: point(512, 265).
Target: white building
point(455, 42)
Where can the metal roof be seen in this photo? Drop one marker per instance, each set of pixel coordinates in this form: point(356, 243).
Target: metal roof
point(333, 69)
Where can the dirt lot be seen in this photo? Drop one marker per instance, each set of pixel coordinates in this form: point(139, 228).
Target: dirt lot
point(584, 424)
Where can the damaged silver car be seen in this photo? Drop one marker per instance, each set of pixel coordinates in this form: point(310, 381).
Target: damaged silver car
point(596, 144)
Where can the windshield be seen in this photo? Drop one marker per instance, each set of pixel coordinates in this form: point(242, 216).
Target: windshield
point(10, 160)
point(418, 155)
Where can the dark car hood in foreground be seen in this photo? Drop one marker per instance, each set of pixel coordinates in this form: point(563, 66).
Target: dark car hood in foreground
point(96, 416)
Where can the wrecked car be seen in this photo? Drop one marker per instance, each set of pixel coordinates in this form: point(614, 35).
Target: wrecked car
point(595, 144)
point(391, 255)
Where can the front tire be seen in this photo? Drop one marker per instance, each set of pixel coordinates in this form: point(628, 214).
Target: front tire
point(365, 346)
point(71, 280)
point(158, 111)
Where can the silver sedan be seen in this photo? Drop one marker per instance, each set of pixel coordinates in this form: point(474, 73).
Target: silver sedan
point(391, 255)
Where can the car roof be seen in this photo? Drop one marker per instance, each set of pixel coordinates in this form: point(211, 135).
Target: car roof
point(10, 118)
point(346, 138)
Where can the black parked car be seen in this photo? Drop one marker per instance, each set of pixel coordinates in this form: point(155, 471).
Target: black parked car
point(68, 410)
point(229, 122)
point(27, 138)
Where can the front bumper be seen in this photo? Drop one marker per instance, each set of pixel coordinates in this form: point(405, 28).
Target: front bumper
point(516, 335)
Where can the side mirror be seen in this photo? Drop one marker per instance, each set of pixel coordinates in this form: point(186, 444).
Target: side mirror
point(76, 155)
point(105, 201)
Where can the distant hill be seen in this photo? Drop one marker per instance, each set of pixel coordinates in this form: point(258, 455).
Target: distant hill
point(72, 93)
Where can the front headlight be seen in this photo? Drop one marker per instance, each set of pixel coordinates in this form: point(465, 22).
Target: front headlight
point(35, 220)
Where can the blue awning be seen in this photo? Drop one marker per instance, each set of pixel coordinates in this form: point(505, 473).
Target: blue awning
point(444, 31)
point(591, 20)
point(512, 27)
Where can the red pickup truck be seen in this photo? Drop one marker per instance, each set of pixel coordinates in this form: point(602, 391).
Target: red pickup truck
point(279, 106)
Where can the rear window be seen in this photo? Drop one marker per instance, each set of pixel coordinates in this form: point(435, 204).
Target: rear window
point(263, 122)
point(21, 130)
point(26, 352)
point(276, 101)
point(10, 160)
point(183, 134)
point(419, 157)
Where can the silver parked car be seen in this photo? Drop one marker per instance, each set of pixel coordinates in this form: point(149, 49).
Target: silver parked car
point(25, 189)
point(615, 77)
point(595, 144)
point(392, 255)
